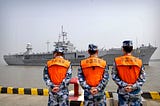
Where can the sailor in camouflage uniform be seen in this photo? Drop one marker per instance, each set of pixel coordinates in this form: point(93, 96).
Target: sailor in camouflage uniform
point(128, 73)
point(93, 77)
point(57, 74)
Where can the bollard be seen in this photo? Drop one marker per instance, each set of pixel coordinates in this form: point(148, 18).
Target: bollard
point(76, 86)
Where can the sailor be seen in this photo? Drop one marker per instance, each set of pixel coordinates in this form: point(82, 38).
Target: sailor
point(93, 77)
point(128, 73)
point(57, 74)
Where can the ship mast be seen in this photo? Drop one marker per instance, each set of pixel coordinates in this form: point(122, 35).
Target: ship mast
point(66, 45)
point(47, 45)
point(136, 42)
point(64, 34)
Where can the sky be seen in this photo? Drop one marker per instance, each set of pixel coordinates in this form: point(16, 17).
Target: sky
point(106, 23)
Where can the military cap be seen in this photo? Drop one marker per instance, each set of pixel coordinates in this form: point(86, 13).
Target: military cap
point(59, 50)
point(127, 43)
point(92, 47)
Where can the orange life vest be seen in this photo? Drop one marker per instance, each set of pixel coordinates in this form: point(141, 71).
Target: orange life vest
point(93, 69)
point(128, 68)
point(57, 69)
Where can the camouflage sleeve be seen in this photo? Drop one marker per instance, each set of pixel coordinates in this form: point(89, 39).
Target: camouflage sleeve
point(47, 78)
point(116, 78)
point(104, 81)
point(82, 81)
point(67, 79)
point(141, 80)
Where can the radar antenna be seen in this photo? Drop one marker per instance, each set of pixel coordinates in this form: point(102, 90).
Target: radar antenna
point(29, 48)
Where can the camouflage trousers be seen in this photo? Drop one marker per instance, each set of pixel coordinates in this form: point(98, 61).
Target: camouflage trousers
point(58, 99)
point(128, 100)
point(96, 100)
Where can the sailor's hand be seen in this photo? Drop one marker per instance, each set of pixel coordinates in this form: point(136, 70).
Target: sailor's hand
point(128, 88)
point(55, 89)
point(94, 90)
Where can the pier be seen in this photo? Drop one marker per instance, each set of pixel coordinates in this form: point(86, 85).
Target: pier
point(39, 96)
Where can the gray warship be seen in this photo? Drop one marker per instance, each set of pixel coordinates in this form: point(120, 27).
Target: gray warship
point(29, 58)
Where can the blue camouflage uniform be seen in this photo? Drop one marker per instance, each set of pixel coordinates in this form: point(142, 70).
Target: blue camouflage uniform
point(134, 97)
point(61, 97)
point(98, 99)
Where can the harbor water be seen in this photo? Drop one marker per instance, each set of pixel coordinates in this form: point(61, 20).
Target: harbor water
point(32, 77)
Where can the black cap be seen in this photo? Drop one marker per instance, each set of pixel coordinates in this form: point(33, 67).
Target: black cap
point(127, 43)
point(92, 47)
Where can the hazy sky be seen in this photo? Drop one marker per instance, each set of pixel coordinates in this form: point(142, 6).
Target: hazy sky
point(103, 22)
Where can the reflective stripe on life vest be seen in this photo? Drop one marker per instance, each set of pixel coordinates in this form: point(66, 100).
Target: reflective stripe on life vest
point(128, 68)
point(93, 69)
point(57, 69)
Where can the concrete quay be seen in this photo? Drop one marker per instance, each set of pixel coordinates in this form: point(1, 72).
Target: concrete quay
point(35, 100)
point(39, 97)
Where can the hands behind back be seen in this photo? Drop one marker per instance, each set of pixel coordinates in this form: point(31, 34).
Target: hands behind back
point(55, 88)
point(94, 90)
point(128, 88)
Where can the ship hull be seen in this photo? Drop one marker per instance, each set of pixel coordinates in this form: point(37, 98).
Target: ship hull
point(14, 59)
point(143, 53)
